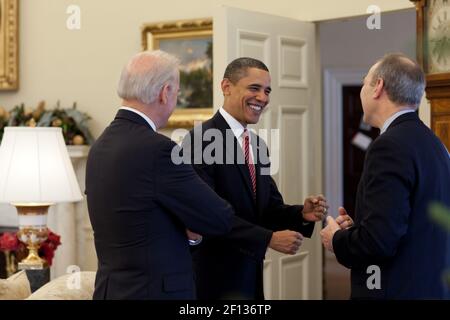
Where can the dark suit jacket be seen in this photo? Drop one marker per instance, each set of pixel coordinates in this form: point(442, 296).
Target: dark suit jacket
point(405, 169)
point(230, 266)
point(139, 204)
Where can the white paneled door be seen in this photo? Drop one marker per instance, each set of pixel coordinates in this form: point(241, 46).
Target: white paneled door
point(288, 48)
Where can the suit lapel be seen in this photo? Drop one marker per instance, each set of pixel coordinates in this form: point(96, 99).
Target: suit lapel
point(234, 150)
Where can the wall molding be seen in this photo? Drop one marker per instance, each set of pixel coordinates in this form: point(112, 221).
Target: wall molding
point(334, 80)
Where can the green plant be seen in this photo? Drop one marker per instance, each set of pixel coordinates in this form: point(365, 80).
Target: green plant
point(3, 121)
point(441, 215)
point(74, 123)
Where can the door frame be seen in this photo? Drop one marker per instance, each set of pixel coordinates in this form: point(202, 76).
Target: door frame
point(334, 80)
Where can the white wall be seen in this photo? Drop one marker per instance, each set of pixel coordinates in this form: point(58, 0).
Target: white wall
point(84, 66)
point(349, 43)
point(316, 10)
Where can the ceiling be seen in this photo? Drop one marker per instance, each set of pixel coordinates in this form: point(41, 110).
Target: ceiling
point(317, 10)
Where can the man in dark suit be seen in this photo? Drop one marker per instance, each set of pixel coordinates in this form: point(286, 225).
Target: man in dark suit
point(231, 266)
point(394, 250)
point(140, 203)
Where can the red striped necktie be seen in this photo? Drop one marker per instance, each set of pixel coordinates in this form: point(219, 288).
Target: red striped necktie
point(249, 160)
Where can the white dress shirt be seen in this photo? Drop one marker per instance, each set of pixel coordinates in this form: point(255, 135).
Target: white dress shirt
point(237, 128)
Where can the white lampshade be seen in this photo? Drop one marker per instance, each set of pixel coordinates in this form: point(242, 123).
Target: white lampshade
point(35, 167)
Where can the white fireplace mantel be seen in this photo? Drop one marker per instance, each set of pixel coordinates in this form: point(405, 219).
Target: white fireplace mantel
point(78, 152)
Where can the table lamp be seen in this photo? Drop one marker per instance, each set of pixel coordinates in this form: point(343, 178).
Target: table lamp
point(35, 172)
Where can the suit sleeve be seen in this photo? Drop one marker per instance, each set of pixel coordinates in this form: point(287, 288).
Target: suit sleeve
point(183, 193)
point(248, 238)
point(384, 208)
point(280, 216)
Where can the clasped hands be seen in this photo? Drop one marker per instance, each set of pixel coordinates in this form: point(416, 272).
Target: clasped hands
point(288, 241)
point(343, 221)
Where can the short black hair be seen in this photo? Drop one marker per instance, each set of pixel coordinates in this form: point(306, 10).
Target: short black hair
point(237, 69)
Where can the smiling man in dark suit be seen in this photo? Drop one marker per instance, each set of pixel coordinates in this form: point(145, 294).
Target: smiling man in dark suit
point(140, 203)
point(393, 249)
point(231, 266)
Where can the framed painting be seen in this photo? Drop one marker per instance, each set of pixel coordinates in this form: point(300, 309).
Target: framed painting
point(9, 44)
point(191, 42)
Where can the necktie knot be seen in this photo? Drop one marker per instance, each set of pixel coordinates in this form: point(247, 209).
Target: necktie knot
point(245, 133)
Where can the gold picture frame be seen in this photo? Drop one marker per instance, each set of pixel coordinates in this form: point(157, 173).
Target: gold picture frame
point(9, 45)
point(191, 42)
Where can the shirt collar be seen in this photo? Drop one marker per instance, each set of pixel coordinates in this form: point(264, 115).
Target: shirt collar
point(234, 125)
point(150, 122)
point(391, 119)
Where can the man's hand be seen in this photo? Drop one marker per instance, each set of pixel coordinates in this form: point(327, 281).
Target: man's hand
point(194, 238)
point(286, 241)
point(343, 220)
point(327, 233)
point(315, 208)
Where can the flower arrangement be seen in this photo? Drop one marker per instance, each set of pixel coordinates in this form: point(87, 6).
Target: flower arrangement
point(49, 246)
point(14, 249)
point(9, 242)
point(73, 122)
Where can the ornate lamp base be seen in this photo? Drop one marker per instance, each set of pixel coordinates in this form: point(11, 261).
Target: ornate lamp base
point(32, 261)
point(32, 231)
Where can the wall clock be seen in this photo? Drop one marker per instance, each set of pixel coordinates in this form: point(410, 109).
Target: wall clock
point(433, 53)
point(437, 36)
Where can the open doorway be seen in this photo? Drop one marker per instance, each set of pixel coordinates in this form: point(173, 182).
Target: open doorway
point(356, 138)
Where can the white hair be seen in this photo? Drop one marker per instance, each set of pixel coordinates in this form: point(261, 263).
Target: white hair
point(145, 74)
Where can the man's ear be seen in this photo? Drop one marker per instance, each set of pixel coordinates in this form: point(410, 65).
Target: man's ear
point(378, 89)
point(226, 86)
point(164, 94)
